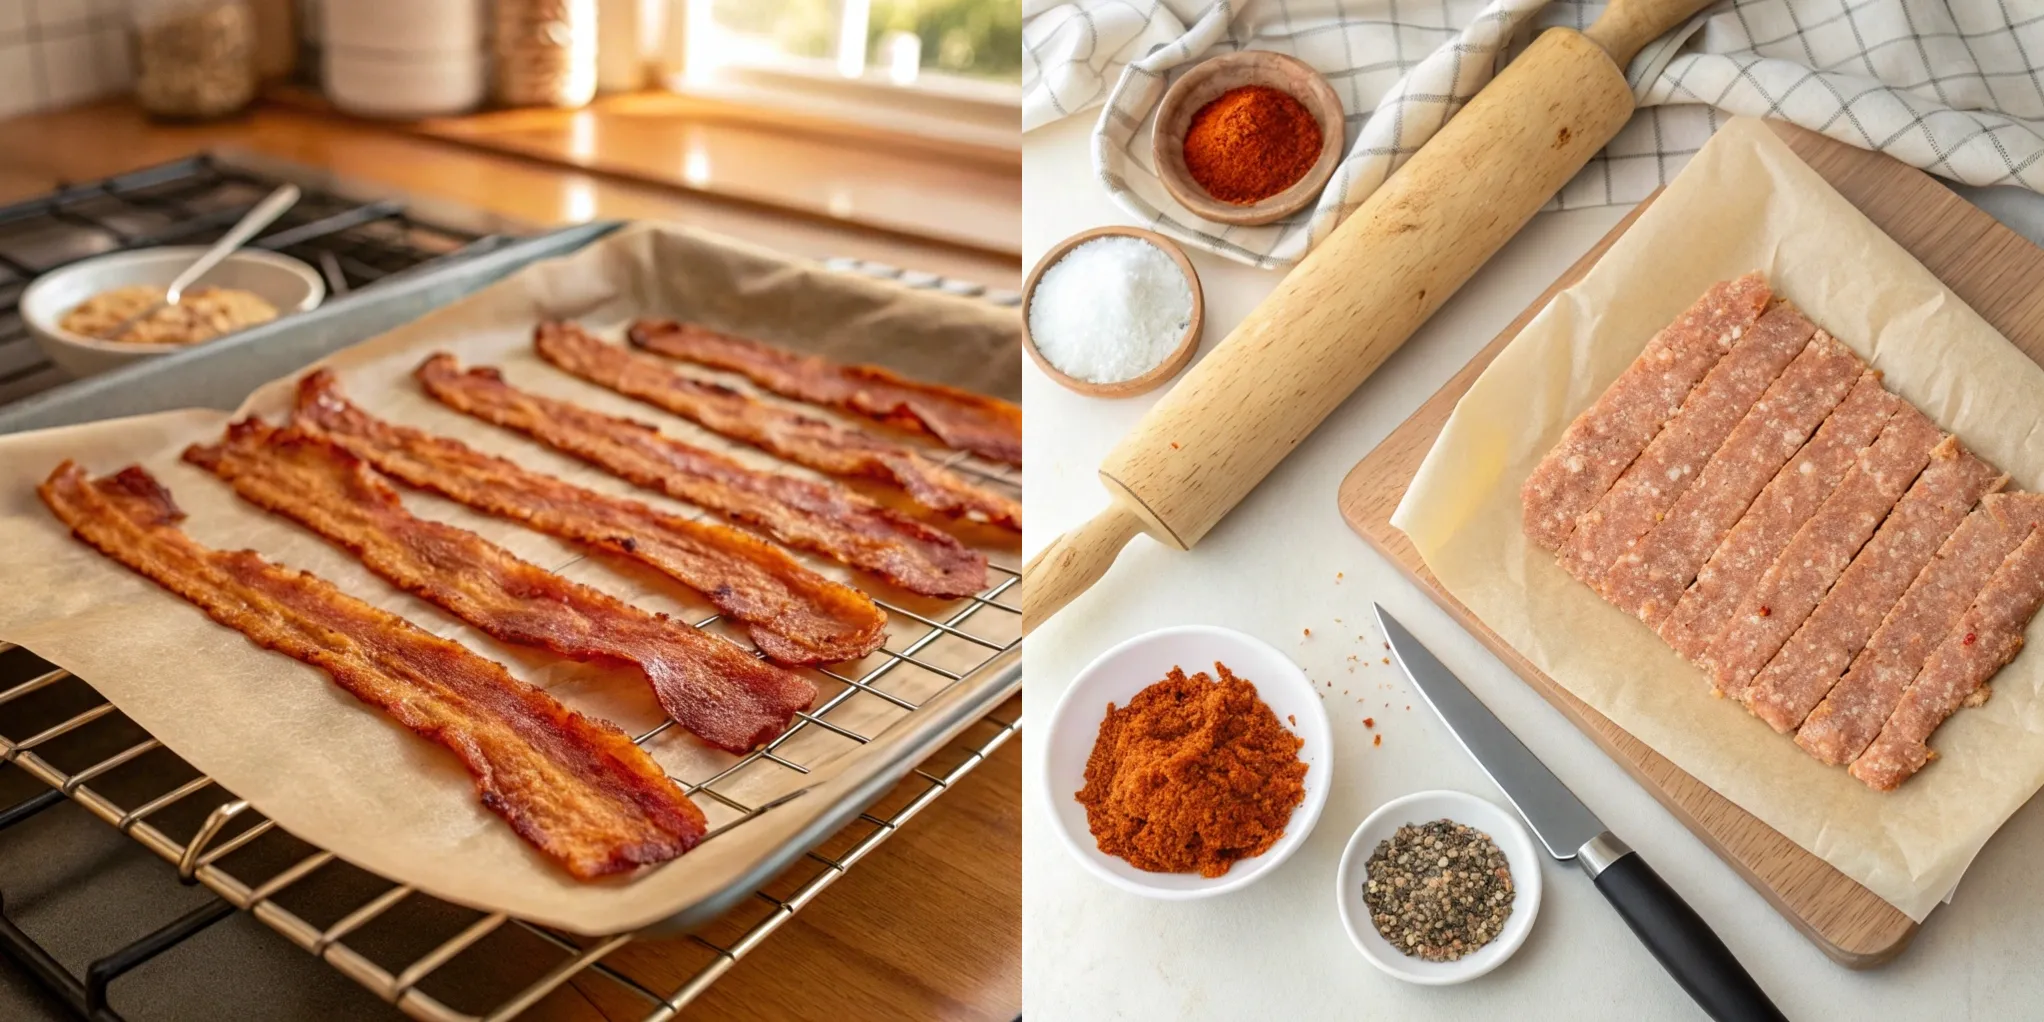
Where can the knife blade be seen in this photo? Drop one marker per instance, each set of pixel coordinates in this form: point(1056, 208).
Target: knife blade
point(1679, 939)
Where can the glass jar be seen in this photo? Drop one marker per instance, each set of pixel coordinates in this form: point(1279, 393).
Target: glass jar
point(545, 52)
point(194, 59)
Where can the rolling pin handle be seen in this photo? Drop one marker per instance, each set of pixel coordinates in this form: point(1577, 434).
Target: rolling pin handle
point(1627, 26)
point(1073, 562)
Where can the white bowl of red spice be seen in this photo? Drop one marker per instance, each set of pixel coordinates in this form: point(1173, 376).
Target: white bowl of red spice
point(1247, 138)
point(1439, 843)
point(1155, 768)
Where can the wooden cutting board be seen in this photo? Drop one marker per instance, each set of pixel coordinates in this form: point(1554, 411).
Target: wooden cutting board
point(1997, 272)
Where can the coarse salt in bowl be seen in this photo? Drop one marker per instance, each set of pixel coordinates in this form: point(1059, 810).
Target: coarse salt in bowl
point(1112, 312)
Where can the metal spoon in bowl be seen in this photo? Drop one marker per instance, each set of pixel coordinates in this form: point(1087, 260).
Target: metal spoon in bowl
point(264, 213)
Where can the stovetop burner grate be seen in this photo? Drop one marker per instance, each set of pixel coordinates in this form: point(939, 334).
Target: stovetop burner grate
point(353, 241)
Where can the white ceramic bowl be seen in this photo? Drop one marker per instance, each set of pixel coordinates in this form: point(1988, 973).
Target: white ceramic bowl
point(285, 282)
point(1504, 828)
point(1116, 676)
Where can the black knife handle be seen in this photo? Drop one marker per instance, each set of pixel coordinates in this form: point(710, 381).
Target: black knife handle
point(1685, 945)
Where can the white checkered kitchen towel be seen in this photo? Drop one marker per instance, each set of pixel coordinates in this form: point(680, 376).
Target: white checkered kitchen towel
point(1951, 86)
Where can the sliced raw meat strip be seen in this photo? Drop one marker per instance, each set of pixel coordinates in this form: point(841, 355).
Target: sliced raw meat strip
point(1841, 726)
point(1789, 500)
point(1605, 439)
point(1818, 554)
point(1648, 579)
point(1791, 684)
point(1987, 636)
point(1677, 455)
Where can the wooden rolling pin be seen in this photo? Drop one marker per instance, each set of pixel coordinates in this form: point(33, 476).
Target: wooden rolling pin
point(1356, 298)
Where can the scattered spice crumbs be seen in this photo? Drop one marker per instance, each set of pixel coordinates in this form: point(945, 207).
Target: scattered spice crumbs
point(1293, 718)
point(1369, 722)
point(1378, 741)
point(1387, 659)
point(1174, 445)
point(1308, 631)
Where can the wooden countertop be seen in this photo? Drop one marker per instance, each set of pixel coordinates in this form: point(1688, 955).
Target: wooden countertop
point(929, 924)
point(969, 226)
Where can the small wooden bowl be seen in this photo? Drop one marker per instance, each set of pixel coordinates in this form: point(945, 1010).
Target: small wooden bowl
point(1171, 366)
point(1204, 84)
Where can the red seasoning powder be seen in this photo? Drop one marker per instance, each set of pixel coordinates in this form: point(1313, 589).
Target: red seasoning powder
point(1192, 775)
point(1251, 143)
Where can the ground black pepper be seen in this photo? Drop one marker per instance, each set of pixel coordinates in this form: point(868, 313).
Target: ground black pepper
point(1438, 890)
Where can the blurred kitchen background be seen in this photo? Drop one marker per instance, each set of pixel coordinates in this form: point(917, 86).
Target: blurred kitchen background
point(899, 117)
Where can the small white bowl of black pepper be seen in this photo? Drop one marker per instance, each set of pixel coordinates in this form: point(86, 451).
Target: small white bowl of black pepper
point(1439, 887)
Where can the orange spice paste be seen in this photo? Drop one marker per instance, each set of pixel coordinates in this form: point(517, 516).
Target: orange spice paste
point(1192, 775)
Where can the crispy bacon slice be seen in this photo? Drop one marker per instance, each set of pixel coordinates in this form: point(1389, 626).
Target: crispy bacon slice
point(823, 517)
point(795, 615)
point(963, 420)
point(711, 687)
point(782, 431)
point(574, 787)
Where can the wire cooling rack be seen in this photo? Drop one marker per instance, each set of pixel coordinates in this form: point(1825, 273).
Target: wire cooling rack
point(426, 956)
point(432, 959)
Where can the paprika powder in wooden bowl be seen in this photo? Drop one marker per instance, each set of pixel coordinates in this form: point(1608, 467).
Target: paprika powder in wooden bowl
point(1247, 138)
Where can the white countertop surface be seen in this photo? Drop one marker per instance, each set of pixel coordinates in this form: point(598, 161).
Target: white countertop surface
point(1277, 949)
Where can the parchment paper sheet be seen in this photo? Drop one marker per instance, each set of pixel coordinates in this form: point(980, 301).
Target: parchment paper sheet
point(1745, 203)
point(344, 777)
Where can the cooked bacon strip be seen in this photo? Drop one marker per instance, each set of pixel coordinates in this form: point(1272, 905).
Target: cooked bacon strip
point(823, 517)
point(962, 419)
point(793, 614)
point(824, 446)
point(575, 788)
point(711, 687)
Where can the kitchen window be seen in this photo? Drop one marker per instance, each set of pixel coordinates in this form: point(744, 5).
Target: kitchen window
point(943, 67)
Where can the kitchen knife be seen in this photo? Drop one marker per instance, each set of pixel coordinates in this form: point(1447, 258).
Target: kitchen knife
point(1685, 944)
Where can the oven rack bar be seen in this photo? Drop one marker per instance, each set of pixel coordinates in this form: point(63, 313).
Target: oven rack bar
point(986, 624)
point(199, 860)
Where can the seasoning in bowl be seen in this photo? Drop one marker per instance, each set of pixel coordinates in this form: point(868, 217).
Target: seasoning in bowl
point(203, 314)
point(1439, 890)
point(1250, 143)
point(1192, 775)
point(1111, 309)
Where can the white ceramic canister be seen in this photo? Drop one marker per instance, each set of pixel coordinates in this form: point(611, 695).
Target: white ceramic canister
point(404, 59)
point(626, 33)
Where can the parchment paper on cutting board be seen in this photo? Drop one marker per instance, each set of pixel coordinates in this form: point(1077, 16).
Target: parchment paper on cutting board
point(1745, 203)
point(346, 778)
